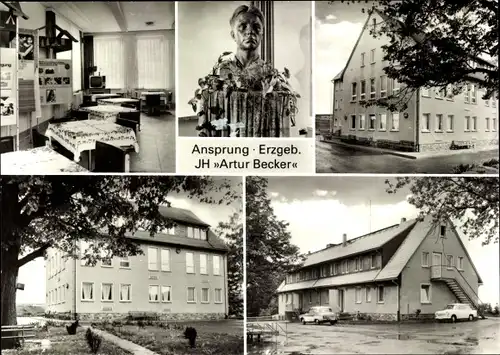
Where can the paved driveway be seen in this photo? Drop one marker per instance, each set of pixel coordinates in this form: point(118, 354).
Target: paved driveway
point(332, 158)
point(478, 337)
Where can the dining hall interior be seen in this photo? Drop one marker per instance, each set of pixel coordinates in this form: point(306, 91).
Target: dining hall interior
point(87, 87)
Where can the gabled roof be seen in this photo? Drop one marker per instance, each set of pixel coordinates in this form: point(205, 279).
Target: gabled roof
point(213, 242)
point(181, 215)
point(359, 245)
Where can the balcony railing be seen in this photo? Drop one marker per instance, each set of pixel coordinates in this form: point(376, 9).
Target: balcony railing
point(440, 272)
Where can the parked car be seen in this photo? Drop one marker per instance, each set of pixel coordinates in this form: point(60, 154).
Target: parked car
point(455, 311)
point(318, 315)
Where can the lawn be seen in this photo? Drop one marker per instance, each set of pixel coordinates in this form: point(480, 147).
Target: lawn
point(63, 344)
point(169, 340)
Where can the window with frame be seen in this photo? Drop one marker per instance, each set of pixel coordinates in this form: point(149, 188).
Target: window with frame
point(487, 119)
point(152, 52)
point(449, 93)
point(106, 292)
point(154, 293)
point(109, 57)
point(450, 125)
point(125, 292)
point(354, 91)
point(189, 263)
point(360, 263)
point(357, 295)
point(84, 246)
point(396, 87)
point(460, 262)
point(87, 291)
point(216, 264)
point(335, 268)
point(124, 262)
point(494, 102)
point(107, 261)
point(218, 295)
point(380, 294)
point(474, 123)
point(425, 293)
point(449, 261)
point(383, 86)
point(152, 258)
point(191, 295)
point(363, 59)
point(439, 123)
point(204, 295)
point(355, 264)
point(166, 293)
point(165, 259)
point(368, 294)
point(373, 88)
point(203, 264)
point(361, 121)
point(353, 121)
point(425, 259)
point(373, 261)
point(442, 230)
point(426, 122)
point(473, 94)
point(395, 122)
point(383, 122)
point(439, 93)
point(372, 56)
point(362, 95)
point(467, 124)
point(467, 93)
point(493, 124)
point(426, 92)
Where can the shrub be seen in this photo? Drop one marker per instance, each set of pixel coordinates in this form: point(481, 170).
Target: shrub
point(93, 340)
point(496, 311)
point(140, 323)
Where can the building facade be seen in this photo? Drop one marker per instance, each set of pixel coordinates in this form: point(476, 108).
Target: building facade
point(411, 269)
point(182, 274)
point(433, 120)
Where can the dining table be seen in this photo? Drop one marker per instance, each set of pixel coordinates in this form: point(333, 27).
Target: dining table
point(95, 97)
point(41, 160)
point(79, 136)
point(117, 101)
point(105, 112)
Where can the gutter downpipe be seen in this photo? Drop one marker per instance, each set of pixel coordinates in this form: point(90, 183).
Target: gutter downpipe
point(75, 292)
point(417, 122)
point(398, 303)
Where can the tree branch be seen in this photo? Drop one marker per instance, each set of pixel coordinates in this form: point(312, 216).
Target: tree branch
point(33, 255)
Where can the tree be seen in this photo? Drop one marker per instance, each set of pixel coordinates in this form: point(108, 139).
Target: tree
point(441, 44)
point(474, 201)
point(40, 212)
point(232, 233)
point(270, 254)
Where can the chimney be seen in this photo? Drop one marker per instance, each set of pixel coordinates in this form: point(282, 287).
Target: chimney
point(344, 240)
point(403, 220)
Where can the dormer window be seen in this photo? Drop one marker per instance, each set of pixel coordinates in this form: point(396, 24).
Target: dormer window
point(197, 233)
point(443, 231)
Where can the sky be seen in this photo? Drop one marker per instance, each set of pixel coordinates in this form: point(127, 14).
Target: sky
point(320, 209)
point(33, 273)
point(337, 27)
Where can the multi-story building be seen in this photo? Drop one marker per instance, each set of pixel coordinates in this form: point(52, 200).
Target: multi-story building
point(434, 119)
point(182, 275)
point(413, 268)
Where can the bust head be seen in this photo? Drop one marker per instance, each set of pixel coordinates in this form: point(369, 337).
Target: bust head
point(247, 27)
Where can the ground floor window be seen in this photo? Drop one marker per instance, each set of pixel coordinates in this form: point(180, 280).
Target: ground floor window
point(87, 291)
point(218, 295)
point(204, 295)
point(357, 294)
point(368, 291)
point(107, 292)
point(191, 295)
point(425, 293)
point(380, 294)
point(154, 293)
point(166, 293)
point(125, 294)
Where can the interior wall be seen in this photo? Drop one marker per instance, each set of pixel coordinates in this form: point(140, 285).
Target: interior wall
point(130, 55)
point(201, 41)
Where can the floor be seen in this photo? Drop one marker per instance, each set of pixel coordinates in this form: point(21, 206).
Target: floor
point(331, 158)
point(477, 337)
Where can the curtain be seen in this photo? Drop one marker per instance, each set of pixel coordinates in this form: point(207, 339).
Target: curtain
point(109, 57)
point(125, 293)
point(153, 293)
point(87, 291)
point(152, 59)
point(107, 292)
point(166, 293)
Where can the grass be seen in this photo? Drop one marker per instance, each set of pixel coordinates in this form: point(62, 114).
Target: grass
point(171, 341)
point(64, 344)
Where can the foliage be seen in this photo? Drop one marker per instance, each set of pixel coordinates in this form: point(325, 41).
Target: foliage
point(474, 201)
point(94, 340)
point(435, 43)
point(270, 254)
point(232, 233)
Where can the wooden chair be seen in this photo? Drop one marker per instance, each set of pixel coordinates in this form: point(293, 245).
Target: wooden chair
point(39, 140)
point(132, 116)
point(109, 159)
point(153, 103)
point(7, 144)
point(127, 123)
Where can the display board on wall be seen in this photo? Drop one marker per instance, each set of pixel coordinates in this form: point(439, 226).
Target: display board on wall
point(8, 88)
point(55, 80)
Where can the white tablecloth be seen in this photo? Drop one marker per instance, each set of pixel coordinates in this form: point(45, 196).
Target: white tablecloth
point(79, 136)
point(43, 160)
point(117, 101)
point(96, 97)
point(106, 112)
